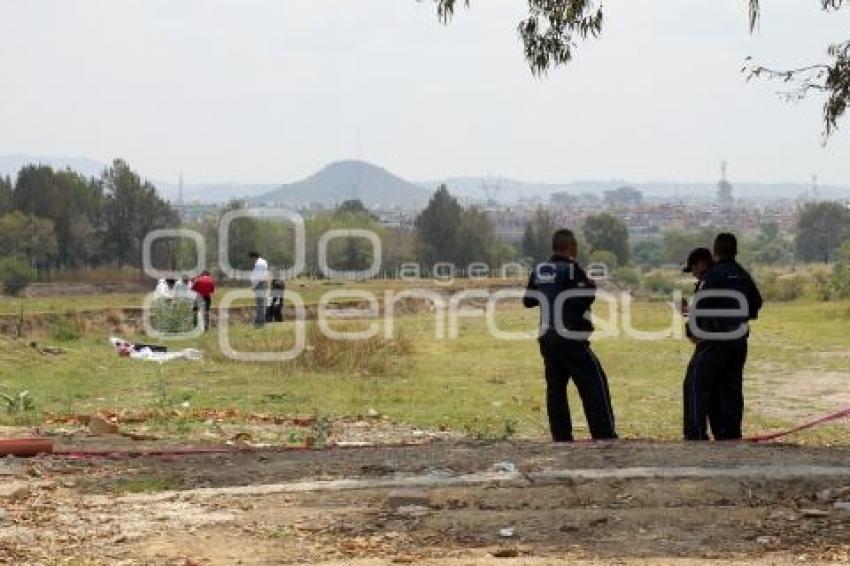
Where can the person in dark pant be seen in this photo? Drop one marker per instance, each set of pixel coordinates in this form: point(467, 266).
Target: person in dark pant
point(724, 336)
point(259, 283)
point(700, 400)
point(274, 313)
point(564, 293)
point(204, 287)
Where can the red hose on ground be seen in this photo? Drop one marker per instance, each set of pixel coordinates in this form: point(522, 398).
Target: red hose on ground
point(838, 415)
point(28, 447)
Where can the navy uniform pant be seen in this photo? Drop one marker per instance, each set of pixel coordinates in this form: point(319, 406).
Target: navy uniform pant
point(713, 390)
point(569, 359)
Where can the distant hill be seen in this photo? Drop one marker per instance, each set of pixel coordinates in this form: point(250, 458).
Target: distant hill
point(345, 180)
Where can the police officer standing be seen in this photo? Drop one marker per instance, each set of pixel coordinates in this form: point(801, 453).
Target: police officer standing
point(700, 398)
point(564, 293)
point(729, 287)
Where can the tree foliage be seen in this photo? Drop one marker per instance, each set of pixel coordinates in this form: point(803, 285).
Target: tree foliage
point(15, 275)
point(446, 232)
point(553, 29)
point(676, 244)
point(821, 228)
point(537, 239)
point(61, 219)
point(605, 232)
point(132, 209)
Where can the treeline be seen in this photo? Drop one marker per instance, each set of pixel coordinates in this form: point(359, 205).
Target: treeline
point(821, 229)
point(444, 232)
point(58, 219)
point(61, 220)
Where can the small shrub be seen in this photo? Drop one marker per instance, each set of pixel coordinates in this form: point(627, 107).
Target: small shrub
point(659, 283)
point(62, 329)
point(172, 317)
point(839, 284)
point(377, 355)
point(114, 317)
point(17, 403)
point(15, 275)
point(781, 288)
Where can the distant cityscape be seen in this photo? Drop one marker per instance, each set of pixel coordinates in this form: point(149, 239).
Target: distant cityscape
point(648, 209)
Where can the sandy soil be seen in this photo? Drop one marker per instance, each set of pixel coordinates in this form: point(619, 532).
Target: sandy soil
point(623, 502)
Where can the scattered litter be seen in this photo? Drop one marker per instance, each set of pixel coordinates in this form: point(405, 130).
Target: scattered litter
point(507, 467)
point(842, 505)
point(814, 513)
point(372, 413)
point(47, 350)
point(399, 498)
point(765, 540)
point(833, 493)
point(507, 532)
point(413, 510)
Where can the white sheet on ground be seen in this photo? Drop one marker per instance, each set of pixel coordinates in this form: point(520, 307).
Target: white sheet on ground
point(150, 356)
point(125, 349)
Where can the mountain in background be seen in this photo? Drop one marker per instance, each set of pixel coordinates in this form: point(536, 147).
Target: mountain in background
point(344, 180)
point(376, 186)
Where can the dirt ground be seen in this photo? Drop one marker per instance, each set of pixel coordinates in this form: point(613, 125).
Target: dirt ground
point(445, 502)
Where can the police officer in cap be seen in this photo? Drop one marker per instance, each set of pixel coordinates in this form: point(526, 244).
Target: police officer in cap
point(729, 287)
point(564, 293)
point(700, 399)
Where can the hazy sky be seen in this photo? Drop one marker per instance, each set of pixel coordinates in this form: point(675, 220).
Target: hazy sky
point(270, 90)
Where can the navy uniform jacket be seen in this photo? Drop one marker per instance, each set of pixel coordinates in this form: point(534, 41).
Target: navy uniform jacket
point(550, 279)
point(728, 275)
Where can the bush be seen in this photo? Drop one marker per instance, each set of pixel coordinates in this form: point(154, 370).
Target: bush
point(627, 277)
point(171, 317)
point(62, 329)
point(374, 356)
point(781, 288)
point(839, 284)
point(658, 282)
point(15, 275)
point(788, 288)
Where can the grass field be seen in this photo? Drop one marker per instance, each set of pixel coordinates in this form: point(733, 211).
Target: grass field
point(310, 291)
point(487, 388)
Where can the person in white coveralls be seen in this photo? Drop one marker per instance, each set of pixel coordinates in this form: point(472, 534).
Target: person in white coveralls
point(260, 285)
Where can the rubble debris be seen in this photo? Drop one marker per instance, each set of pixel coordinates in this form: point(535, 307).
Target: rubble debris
point(99, 425)
point(833, 494)
point(408, 497)
point(14, 490)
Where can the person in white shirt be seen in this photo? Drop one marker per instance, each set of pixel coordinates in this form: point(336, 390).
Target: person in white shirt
point(162, 290)
point(260, 285)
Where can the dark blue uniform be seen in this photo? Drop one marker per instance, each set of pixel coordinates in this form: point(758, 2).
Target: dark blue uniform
point(564, 345)
point(716, 373)
point(700, 400)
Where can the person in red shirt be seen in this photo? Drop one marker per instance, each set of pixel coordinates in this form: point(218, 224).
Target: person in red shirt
point(204, 286)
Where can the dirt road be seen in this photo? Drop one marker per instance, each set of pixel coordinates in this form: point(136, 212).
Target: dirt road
point(448, 502)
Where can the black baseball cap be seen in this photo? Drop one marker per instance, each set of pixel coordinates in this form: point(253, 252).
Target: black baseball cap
point(697, 255)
